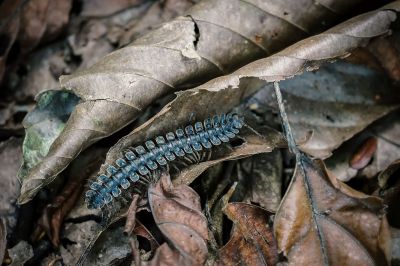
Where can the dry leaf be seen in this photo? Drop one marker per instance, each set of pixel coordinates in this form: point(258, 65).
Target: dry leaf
point(389, 182)
point(252, 241)
point(327, 107)
point(158, 13)
point(184, 51)
point(364, 153)
point(323, 221)
point(10, 161)
point(102, 8)
point(177, 213)
point(386, 130)
point(9, 27)
point(224, 93)
point(42, 20)
point(318, 212)
point(20, 253)
point(262, 176)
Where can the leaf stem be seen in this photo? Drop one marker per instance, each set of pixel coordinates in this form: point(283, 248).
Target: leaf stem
point(285, 121)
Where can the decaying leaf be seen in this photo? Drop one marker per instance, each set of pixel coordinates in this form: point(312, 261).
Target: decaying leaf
point(102, 8)
point(252, 241)
point(44, 124)
point(158, 13)
point(389, 182)
point(20, 253)
point(386, 131)
point(10, 161)
point(42, 20)
point(328, 106)
point(177, 213)
point(9, 27)
point(262, 176)
point(322, 221)
point(116, 89)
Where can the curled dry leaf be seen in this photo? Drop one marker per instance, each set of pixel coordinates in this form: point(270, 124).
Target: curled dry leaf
point(386, 131)
point(177, 213)
point(252, 241)
point(322, 221)
point(185, 51)
point(364, 153)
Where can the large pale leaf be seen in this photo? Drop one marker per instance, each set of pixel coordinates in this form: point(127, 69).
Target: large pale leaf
point(211, 40)
point(224, 93)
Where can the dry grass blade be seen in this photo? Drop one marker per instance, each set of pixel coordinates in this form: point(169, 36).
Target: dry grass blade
point(184, 51)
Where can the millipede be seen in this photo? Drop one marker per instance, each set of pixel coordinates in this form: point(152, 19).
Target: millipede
point(140, 161)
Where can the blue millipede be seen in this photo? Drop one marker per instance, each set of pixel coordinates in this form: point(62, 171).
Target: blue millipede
point(133, 166)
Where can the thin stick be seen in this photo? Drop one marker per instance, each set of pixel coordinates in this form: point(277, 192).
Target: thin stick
point(285, 121)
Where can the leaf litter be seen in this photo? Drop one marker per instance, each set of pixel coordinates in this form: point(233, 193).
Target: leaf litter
point(126, 81)
point(86, 238)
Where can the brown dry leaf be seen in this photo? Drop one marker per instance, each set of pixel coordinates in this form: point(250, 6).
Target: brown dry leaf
point(364, 153)
point(327, 107)
point(103, 8)
point(164, 254)
point(252, 241)
point(177, 213)
point(323, 221)
point(158, 13)
point(9, 27)
point(386, 130)
point(42, 20)
point(184, 51)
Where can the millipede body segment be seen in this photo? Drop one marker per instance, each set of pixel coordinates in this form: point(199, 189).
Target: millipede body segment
point(140, 161)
